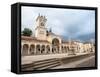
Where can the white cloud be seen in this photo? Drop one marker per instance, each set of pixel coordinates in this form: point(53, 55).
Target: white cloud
point(61, 20)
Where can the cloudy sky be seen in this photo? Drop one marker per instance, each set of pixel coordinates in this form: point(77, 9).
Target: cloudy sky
point(65, 22)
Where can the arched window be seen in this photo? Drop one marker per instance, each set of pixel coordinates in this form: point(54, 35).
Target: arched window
point(48, 49)
point(65, 49)
point(62, 49)
point(25, 49)
point(42, 49)
point(38, 49)
point(55, 42)
point(32, 49)
point(55, 45)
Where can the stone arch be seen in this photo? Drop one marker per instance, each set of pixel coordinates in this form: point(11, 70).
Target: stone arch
point(32, 49)
point(37, 49)
point(65, 49)
point(62, 49)
point(48, 49)
point(72, 49)
point(55, 42)
point(25, 49)
point(55, 45)
point(42, 49)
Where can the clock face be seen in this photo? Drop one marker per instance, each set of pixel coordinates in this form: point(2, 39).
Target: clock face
point(42, 24)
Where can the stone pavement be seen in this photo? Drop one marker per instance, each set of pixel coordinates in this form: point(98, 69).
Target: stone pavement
point(30, 59)
point(85, 62)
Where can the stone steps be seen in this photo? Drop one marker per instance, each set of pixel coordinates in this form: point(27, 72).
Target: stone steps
point(50, 66)
point(43, 64)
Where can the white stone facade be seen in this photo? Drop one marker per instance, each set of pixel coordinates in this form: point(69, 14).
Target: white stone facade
point(46, 42)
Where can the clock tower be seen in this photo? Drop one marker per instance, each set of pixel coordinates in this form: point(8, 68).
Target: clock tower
point(40, 30)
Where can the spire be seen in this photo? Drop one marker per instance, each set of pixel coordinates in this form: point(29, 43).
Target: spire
point(50, 30)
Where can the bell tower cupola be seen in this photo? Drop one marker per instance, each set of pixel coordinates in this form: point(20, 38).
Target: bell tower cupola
point(40, 30)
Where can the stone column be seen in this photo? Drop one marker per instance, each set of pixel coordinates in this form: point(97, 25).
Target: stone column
point(34, 48)
point(45, 49)
point(29, 49)
point(50, 49)
point(40, 50)
point(60, 50)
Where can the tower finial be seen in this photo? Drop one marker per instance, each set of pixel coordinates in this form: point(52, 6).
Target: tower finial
point(50, 30)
